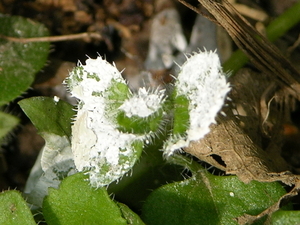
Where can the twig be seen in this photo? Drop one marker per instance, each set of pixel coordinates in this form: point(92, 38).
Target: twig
point(294, 46)
point(68, 37)
point(265, 56)
point(277, 28)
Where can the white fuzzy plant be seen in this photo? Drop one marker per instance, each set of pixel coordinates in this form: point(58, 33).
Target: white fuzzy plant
point(112, 123)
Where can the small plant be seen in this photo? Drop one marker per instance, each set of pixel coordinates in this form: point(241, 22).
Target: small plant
point(111, 155)
point(113, 125)
point(112, 122)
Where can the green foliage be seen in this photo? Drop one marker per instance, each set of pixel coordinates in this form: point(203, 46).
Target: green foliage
point(48, 115)
point(285, 217)
point(7, 123)
point(14, 209)
point(53, 121)
point(130, 216)
point(139, 125)
point(20, 62)
point(181, 115)
point(208, 199)
point(117, 93)
point(76, 202)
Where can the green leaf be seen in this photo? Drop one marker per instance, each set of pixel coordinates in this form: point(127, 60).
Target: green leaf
point(181, 115)
point(285, 217)
point(7, 123)
point(208, 199)
point(53, 121)
point(20, 61)
point(138, 125)
point(129, 215)
point(76, 202)
point(118, 94)
point(14, 209)
point(150, 172)
point(48, 115)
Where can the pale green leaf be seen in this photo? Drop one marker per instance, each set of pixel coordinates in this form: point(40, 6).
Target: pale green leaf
point(7, 123)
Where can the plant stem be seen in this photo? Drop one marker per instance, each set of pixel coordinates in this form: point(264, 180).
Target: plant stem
point(275, 30)
point(53, 38)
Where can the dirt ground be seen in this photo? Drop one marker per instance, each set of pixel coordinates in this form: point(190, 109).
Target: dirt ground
point(125, 29)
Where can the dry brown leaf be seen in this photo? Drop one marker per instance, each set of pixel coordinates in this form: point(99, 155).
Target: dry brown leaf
point(247, 90)
point(237, 139)
point(240, 155)
point(263, 54)
point(252, 13)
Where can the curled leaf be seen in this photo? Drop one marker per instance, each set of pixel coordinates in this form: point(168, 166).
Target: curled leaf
point(200, 91)
point(111, 121)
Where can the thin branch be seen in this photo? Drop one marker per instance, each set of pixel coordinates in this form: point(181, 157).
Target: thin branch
point(68, 37)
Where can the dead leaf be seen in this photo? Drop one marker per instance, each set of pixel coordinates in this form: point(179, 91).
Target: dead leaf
point(237, 138)
point(263, 54)
point(239, 153)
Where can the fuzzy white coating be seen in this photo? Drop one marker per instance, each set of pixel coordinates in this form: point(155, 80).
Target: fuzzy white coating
point(202, 81)
point(96, 142)
point(99, 148)
point(144, 103)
